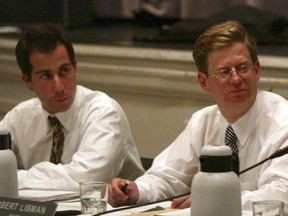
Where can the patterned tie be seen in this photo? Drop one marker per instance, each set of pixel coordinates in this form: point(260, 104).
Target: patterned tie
point(58, 140)
point(231, 141)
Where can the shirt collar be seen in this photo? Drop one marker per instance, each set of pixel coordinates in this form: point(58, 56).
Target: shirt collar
point(245, 126)
point(67, 117)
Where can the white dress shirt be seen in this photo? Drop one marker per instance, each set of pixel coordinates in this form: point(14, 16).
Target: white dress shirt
point(261, 131)
point(98, 144)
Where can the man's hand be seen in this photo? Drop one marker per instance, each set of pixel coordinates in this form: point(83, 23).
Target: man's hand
point(119, 197)
point(182, 202)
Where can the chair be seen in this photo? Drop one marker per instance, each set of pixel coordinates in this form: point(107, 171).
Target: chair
point(146, 162)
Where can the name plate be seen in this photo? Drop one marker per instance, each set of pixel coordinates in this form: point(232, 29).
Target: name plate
point(19, 207)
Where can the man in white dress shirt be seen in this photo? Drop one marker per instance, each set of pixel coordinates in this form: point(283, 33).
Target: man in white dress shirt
point(98, 143)
point(229, 69)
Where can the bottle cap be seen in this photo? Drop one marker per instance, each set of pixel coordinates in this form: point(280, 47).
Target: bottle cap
point(216, 158)
point(216, 150)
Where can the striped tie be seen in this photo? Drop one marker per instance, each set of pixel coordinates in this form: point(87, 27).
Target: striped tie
point(58, 140)
point(230, 140)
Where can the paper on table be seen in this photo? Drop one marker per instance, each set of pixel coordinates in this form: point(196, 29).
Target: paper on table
point(181, 212)
point(186, 212)
point(47, 195)
point(137, 210)
point(66, 206)
point(73, 204)
point(156, 213)
point(164, 205)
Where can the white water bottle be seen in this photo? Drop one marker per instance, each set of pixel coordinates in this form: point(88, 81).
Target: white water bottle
point(8, 167)
point(215, 189)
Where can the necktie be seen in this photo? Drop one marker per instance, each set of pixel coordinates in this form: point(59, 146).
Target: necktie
point(231, 140)
point(58, 140)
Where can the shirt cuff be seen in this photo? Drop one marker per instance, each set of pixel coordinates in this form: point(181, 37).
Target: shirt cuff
point(144, 192)
point(21, 178)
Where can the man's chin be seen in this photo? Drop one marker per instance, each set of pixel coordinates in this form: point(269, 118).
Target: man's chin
point(62, 108)
point(58, 109)
point(239, 102)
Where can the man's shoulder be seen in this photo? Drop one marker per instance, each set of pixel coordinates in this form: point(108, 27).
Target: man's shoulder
point(84, 92)
point(28, 105)
point(206, 112)
point(275, 106)
point(272, 95)
point(273, 99)
point(212, 109)
point(88, 100)
point(24, 111)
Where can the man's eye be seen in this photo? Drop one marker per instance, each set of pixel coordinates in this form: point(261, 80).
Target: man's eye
point(46, 76)
point(224, 71)
point(65, 71)
point(242, 68)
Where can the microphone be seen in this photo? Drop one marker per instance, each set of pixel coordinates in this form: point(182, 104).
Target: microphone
point(278, 153)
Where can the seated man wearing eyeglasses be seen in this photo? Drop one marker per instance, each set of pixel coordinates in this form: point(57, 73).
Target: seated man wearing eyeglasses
point(228, 69)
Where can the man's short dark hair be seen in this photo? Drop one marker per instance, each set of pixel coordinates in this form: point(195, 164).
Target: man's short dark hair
point(41, 38)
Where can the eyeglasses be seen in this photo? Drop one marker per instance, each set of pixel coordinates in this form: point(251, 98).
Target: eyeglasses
point(225, 73)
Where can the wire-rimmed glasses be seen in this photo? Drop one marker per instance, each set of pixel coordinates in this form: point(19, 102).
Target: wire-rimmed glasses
point(225, 73)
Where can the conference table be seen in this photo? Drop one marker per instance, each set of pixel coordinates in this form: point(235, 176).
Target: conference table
point(68, 204)
point(156, 209)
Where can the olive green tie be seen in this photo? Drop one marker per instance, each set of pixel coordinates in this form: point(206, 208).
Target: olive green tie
point(58, 140)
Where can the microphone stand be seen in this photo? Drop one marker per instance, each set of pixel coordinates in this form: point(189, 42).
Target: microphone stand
point(255, 165)
point(278, 153)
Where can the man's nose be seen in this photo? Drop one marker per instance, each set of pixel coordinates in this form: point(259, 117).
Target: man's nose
point(234, 76)
point(58, 83)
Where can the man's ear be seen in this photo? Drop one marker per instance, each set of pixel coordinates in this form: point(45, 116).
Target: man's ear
point(27, 80)
point(75, 63)
point(202, 79)
point(257, 69)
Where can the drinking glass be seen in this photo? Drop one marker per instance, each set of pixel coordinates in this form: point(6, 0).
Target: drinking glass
point(268, 208)
point(93, 197)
